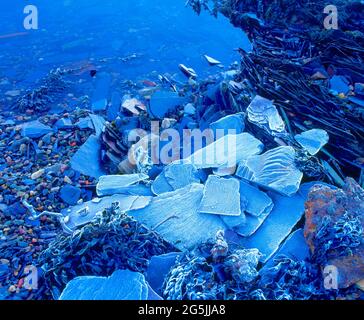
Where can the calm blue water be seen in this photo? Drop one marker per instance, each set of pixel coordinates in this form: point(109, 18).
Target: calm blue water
point(163, 33)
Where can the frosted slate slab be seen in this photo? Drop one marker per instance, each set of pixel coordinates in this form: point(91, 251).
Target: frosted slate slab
point(35, 129)
point(258, 202)
point(251, 224)
point(181, 175)
point(175, 217)
point(265, 115)
point(277, 226)
point(232, 124)
point(313, 140)
point(221, 197)
point(226, 151)
point(164, 101)
point(175, 176)
point(274, 170)
point(87, 159)
point(117, 184)
point(160, 185)
point(83, 213)
point(295, 247)
point(121, 285)
point(159, 267)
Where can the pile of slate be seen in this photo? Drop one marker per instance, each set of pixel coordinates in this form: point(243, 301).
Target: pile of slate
point(258, 213)
point(314, 75)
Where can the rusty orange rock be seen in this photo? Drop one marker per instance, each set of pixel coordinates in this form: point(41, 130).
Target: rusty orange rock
point(326, 208)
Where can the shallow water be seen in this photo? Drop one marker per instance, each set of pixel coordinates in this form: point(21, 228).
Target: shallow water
point(162, 33)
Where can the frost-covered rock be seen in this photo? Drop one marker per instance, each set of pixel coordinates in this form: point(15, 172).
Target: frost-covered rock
point(274, 170)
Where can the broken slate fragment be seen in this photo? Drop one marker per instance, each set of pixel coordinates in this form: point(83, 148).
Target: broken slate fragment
point(121, 285)
point(265, 115)
point(175, 216)
point(35, 129)
point(64, 123)
point(175, 176)
point(211, 61)
point(313, 140)
point(339, 84)
point(274, 170)
point(70, 194)
point(295, 247)
point(226, 152)
point(98, 123)
point(221, 197)
point(257, 206)
point(277, 226)
point(258, 202)
point(158, 269)
point(163, 102)
point(87, 159)
point(116, 184)
point(83, 213)
point(99, 105)
point(233, 124)
point(181, 175)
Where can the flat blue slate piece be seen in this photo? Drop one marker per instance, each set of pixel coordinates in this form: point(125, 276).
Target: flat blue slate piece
point(233, 122)
point(339, 84)
point(117, 184)
point(114, 108)
point(181, 175)
point(313, 140)
point(98, 123)
point(99, 98)
point(35, 129)
point(121, 285)
point(85, 212)
point(264, 114)
point(152, 295)
point(87, 159)
point(226, 151)
point(70, 194)
point(251, 224)
point(164, 101)
point(85, 123)
point(175, 176)
point(258, 202)
point(99, 105)
point(64, 123)
point(277, 226)
point(275, 170)
point(160, 185)
point(159, 267)
point(221, 196)
point(175, 217)
point(295, 247)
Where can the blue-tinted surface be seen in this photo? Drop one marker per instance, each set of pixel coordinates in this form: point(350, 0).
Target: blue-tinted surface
point(163, 33)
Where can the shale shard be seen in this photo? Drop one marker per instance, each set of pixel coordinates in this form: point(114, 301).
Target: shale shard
point(265, 115)
point(116, 184)
point(226, 151)
point(121, 285)
point(221, 197)
point(334, 229)
point(313, 140)
point(274, 170)
point(174, 215)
